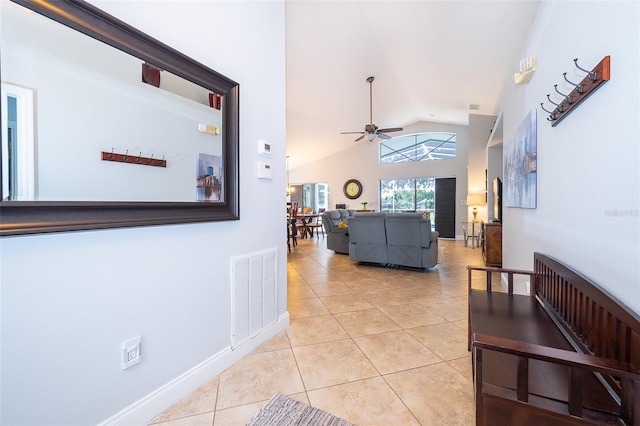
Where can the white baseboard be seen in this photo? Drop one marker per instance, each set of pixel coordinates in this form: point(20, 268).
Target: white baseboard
point(163, 398)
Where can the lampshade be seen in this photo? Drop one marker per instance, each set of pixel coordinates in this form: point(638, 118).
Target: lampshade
point(475, 199)
point(371, 136)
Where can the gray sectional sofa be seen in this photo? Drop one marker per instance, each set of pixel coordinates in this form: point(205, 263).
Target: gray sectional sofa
point(402, 239)
point(337, 238)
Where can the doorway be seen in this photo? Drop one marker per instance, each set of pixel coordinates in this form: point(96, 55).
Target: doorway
point(445, 219)
point(18, 147)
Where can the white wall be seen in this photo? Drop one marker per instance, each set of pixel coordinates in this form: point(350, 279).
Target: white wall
point(588, 200)
point(361, 161)
point(70, 299)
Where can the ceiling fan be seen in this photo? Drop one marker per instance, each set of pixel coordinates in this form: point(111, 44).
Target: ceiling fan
point(371, 131)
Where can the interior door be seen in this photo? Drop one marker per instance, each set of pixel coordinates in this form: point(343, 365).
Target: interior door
point(445, 204)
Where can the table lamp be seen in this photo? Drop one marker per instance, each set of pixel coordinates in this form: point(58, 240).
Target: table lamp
point(475, 200)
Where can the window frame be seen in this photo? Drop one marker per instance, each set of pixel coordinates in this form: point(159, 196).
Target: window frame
point(416, 156)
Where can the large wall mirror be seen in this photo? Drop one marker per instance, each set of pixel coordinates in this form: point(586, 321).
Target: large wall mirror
point(104, 126)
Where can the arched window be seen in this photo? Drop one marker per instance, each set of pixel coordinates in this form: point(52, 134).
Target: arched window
point(418, 147)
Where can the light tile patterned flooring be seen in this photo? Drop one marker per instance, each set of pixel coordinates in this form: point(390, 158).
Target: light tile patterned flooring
point(373, 345)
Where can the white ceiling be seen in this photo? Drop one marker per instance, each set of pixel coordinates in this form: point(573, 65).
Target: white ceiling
point(430, 60)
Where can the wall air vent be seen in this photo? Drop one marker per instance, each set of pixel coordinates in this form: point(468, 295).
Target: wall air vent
point(253, 295)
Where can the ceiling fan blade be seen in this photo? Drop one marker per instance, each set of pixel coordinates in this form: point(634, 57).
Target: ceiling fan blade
point(391, 129)
point(361, 137)
point(352, 133)
point(383, 136)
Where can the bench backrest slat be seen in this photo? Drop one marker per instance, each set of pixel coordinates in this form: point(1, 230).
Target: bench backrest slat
point(595, 321)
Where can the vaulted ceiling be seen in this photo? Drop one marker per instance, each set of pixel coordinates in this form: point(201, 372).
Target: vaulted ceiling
point(430, 59)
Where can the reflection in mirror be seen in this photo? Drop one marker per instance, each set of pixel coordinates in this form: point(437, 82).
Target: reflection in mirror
point(179, 86)
point(70, 97)
point(86, 143)
point(18, 177)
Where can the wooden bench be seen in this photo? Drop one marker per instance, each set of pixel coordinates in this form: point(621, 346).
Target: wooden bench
point(567, 354)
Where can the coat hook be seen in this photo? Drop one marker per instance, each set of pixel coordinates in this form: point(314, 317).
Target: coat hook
point(558, 105)
point(111, 155)
point(577, 86)
point(552, 115)
point(546, 110)
point(138, 159)
point(151, 159)
point(567, 97)
point(592, 74)
point(124, 157)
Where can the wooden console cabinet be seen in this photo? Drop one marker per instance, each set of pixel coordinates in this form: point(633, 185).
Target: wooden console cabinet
point(492, 244)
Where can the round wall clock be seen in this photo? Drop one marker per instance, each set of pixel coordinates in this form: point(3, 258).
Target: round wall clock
point(352, 189)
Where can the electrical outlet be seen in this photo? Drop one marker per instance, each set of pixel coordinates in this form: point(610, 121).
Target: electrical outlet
point(131, 352)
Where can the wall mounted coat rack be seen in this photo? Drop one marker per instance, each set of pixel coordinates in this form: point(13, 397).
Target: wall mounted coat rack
point(581, 91)
point(133, 159)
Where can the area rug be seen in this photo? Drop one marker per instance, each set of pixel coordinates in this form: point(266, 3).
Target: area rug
point(282, 410)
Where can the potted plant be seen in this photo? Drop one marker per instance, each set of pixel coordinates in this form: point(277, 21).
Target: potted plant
point(364, 205)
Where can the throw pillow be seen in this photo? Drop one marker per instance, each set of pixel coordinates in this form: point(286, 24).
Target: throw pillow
point(426, 215)
point(342, 224)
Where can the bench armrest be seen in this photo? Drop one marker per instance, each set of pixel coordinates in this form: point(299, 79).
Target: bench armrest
point(510, 273)
point(557, 356)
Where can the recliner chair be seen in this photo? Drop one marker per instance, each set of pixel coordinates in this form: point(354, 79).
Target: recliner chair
point(337, 237)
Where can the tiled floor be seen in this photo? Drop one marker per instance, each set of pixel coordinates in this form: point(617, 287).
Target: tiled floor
point(375, 346)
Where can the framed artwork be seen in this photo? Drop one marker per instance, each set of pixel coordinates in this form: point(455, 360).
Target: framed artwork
point(209, 181)
point(520, 165)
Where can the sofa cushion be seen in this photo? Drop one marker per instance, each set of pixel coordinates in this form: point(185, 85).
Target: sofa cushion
point(370, 228)
point(368, 240)
point(404, 229)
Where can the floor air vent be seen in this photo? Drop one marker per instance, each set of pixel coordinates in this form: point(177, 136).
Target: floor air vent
point(253, 297)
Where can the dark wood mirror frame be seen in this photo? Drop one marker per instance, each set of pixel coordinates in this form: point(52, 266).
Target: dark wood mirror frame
point(33, 217)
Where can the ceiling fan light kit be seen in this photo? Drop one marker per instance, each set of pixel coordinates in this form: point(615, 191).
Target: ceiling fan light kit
point(371, 131)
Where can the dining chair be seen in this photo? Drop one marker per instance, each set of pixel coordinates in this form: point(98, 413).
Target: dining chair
point(289, 225)
point(304, 221)
point(317, 223)
point(292, 226)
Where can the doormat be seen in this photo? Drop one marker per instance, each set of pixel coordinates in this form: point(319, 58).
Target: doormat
point(282, 410)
